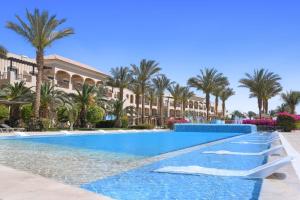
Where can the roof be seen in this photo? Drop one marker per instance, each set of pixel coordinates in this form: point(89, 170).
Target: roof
point(67, 60)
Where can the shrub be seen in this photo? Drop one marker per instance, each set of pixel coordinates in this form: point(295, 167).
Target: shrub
point(45, 124)
point(172, 121)
point(105, 124)
point(35, 125)
point(286, 121)
point(142, 126)
point(62, 115)
point(94, 114)
point(124, 121)
point(260, 122)
point(4, 112)
point(26, 113)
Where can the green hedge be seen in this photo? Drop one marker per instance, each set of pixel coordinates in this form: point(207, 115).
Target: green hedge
point(105, 124)
point(142, 126)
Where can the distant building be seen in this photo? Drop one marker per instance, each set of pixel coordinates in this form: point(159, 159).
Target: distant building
point(67, 75)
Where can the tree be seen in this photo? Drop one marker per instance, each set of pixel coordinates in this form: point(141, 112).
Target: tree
point(151, 95)
point(83, 99)
point(251, 114)
point(282, 108)
point(94, 114)
point(208, 80)
point(224, 95)
point(116, 109)
point(143, 74)
point(40, 30)
point(217, 92)
point(291, 100)
point(3, 51)
point(176, 92)
point(136, 89)
point(238, 114)
point(263, 85)
point(121, 78)
point(16, 92)
point(51, 98)
point(185, 96)
point(161, 83)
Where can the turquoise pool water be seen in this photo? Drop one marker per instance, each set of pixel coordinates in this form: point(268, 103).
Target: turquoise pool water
point(121, 165)
point(139, 144)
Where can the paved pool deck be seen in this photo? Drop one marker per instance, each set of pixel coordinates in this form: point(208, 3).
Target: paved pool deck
point(285, 184)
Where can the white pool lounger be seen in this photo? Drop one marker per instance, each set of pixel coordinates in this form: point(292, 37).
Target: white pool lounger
point(256, 142)
point(265, 152)
point(262, 171)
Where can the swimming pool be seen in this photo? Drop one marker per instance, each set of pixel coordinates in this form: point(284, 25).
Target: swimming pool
point(121, 165)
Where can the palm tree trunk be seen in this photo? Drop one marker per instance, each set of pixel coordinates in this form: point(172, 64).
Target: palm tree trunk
point(161, 106)
point(259, 103)
point(216, 105)
point(223, 109)
point(175, 102)
point(143, 104)
point(137, 105)
point(40, 66)
point(121, 94)
point(266, 106)
point(207, 97)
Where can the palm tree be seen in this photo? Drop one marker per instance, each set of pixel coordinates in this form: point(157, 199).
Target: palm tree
point(142, 74)
point(217, 92)
point(251, 114)
point(120, 78)
point(3, 51)
point(40, 30)
point(136, 89)
point(224, 95)
point(151, 95)
point(51, 98)
point(291, 99)
point(208, 80)
point(271, 88)
point(16, 92)
point(176, 92)
point(282, 108)
point(186, 94)
point(84, 98)
point(263, 85)
point(161, 83)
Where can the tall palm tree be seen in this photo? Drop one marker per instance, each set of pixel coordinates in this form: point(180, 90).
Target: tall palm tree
point(208, 80)
point(176, 92)
point(136, 89)
point(283, 108)
point(161, 83)
point(84, 98)
point(263, 85)
point(120, 78)
point(151, 95)
point(224, 95)
point(3, 51)
point(291, 99)
point(217, 92)
point(185, 96)
point(271, 88)
point(51, 98)
point(40, 30)
point(143, 74)
point(16, 92)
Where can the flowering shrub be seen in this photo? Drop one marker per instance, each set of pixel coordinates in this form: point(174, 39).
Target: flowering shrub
point(172, 121)
point(295, 117)
point(286, 121)
point(260, 122)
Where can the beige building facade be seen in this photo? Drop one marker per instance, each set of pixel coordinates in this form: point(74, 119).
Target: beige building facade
point(69, 75)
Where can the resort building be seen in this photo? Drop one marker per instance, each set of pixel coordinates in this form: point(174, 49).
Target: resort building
point(69, 75)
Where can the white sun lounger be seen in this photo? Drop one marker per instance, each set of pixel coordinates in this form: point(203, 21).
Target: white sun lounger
point(255, 142)
point(262, 171)
point(265, 152)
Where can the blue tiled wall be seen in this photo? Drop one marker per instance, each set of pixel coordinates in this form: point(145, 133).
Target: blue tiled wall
point(229, 128)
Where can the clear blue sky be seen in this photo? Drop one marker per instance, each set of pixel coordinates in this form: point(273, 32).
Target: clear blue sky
point(183, 36)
